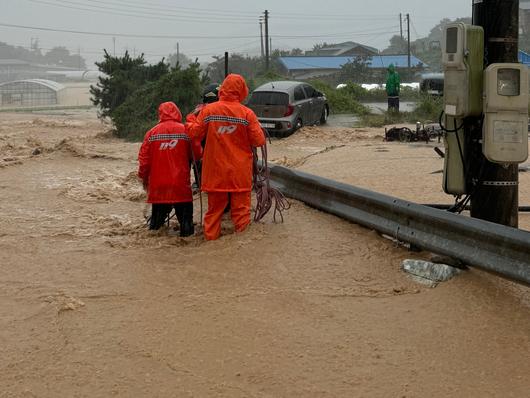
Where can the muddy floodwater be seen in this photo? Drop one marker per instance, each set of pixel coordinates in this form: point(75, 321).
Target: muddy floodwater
point(94, 305)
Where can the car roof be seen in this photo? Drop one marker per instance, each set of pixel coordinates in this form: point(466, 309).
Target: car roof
point(432, 76)
point(281, 85)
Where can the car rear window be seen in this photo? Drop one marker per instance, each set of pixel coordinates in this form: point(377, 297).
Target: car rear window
point(268, 98)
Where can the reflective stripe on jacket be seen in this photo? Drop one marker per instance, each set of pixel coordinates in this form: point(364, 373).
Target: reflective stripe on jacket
point(164, 158)
point(231, 130)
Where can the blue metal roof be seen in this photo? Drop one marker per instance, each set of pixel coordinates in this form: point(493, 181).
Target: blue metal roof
point(377, 61)
point(524, 58)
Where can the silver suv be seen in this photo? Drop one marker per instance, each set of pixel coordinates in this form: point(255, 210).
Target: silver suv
point(283, 107)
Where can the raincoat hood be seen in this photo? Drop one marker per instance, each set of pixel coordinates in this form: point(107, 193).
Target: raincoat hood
point(233, 88)
point(391, 68)
point(169, 111)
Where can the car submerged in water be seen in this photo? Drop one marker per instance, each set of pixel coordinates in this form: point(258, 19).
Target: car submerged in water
point(282, 107)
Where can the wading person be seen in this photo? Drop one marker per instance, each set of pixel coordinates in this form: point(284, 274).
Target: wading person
point(231, 130)
point(164, 168)
point(392, 88)
point(210, 94)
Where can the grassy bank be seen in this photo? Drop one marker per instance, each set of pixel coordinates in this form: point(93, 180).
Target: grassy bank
point(427, 110)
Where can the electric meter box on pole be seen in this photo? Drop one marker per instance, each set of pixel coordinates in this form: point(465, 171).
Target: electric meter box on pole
point(463, 63)
point(505, 131)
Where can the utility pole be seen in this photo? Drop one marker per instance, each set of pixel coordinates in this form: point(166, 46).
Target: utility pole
point(401, 25)
point(226, 64)
point(267, 40)
point(261, 37)
point(114, 46)
point(496, 198)
point(408, 41)
point(178, 52)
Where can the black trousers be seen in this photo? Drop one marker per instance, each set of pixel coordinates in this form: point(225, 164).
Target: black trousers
point(393, 103)
point(184, 212)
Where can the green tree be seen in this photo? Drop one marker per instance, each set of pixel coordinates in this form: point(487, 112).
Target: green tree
point(294, 52)
point(428, 49)
point(123, 76)
point(61, 56)
point(139, 112)
point(248, 67)
point(182, 59)
point(398, 45)
point(356, 71)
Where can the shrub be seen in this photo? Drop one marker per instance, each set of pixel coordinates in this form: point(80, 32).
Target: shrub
point(139, 112)
point(340, 101)
point(263, 78)
point(427, 110)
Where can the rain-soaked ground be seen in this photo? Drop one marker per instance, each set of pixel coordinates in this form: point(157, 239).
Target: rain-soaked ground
point(94, 305)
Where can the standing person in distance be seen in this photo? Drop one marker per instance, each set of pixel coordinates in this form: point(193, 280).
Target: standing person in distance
point(164, 168)
point(393, 82)
point(231, 130)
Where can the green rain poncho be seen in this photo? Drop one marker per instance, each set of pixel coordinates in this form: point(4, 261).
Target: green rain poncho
point(392, 82)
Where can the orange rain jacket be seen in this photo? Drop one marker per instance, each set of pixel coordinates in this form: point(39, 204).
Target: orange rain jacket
point(231, 130)
point(165, 157)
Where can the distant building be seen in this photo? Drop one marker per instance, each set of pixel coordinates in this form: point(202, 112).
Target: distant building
point(30, 93)
point(16, 69)
point(346, 49)
point(311, 67)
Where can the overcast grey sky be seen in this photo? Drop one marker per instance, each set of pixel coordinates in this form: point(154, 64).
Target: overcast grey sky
point(206, 27)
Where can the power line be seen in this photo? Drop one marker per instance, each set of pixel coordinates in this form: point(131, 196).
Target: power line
point(366, 32)
point(414, 29)
point(131, 6)
point(240, 47)
point(338, 17)
point(125, 34)
point(106, 34)
point(140, 14)
point(165, 9)
point(100, 52)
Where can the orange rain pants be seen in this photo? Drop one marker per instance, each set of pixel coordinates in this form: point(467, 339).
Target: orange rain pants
point(239, 211)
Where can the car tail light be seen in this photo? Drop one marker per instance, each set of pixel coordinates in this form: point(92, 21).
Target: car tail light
point(289, 111)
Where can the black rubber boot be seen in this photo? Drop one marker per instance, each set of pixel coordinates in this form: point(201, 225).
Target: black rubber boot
point(159, 214)
point(184, 213)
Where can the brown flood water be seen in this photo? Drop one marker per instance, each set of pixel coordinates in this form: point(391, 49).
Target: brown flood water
point(94, 305)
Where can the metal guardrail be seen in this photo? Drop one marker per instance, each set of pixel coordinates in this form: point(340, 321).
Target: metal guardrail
point(495, 248)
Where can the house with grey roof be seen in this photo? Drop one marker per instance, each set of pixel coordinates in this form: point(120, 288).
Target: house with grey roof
point(346, 49)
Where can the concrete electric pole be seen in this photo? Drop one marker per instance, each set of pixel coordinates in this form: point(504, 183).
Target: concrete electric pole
point(496, 198)
point(401, 25)
point(267, 40)
point(261, 37)
point(408, 42)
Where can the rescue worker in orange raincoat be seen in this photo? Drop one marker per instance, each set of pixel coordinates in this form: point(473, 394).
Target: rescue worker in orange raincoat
point(164, 168)
point(210, 94)
point(231, 130)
